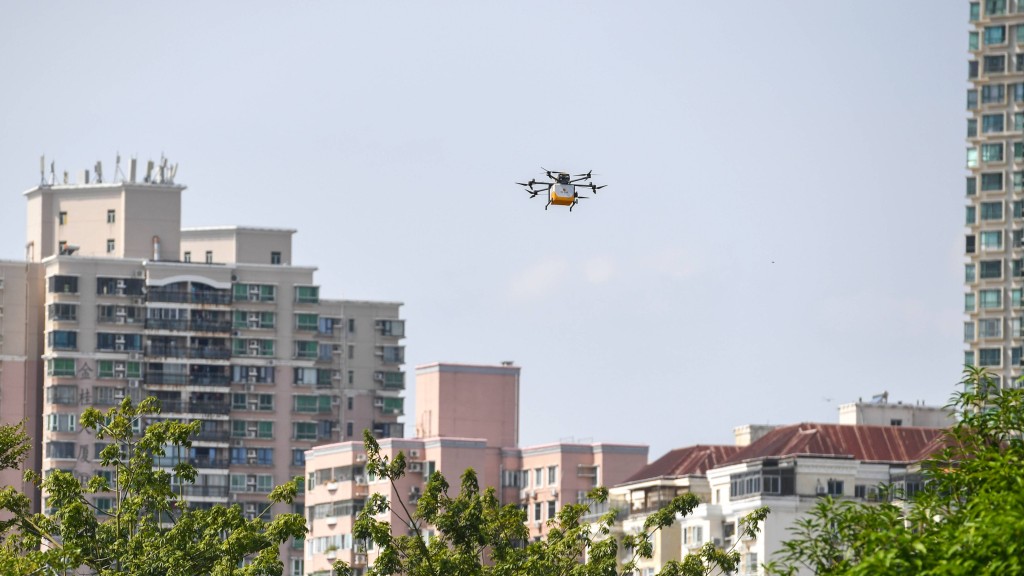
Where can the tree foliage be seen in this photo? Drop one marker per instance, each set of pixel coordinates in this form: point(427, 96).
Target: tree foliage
point(149, 528)
point(968, 519)
point(473, 534)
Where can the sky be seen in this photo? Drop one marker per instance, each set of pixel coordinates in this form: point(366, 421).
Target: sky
point(781, 230)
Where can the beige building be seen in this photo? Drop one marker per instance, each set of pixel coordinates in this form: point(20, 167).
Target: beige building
point(994, 243)
point(466, 417)
point(216, 322)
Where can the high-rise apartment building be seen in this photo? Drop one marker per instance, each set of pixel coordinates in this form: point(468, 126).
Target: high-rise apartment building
point(116, 299)
point(994, 245)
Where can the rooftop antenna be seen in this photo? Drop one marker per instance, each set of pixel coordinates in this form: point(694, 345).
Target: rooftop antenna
point(98, 168)
point(117, 168)
point(65, 177)
point(131, 170)
point(42, 170)
point(149, 171)
point(53, 173)
point(173, 172)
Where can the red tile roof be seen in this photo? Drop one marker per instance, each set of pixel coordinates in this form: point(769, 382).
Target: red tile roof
point(865, 443)
point(689, 461)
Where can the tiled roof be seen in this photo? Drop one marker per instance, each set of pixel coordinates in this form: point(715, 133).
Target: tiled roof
point(865, 443)
point(692, 460)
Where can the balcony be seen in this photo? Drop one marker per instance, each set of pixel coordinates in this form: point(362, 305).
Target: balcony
point(211, 491)
point(222, 326)
point(189, 297)
point(184, 407)
point(201, 352)
point(214, 435)
point(209, 380)
point(166, 378)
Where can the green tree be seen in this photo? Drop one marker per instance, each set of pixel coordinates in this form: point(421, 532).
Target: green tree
point(967, 519)
point(149, 528)
point(476, 535)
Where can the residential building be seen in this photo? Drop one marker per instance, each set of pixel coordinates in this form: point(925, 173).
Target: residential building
point(882, 413)
point(466, 417)
point(215, 322)
point(994, 242)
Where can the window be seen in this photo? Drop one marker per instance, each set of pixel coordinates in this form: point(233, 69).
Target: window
point(969, 243)
point(971, 215)
point(60, 367)
point(968, 331)
point(972, 72)
point(63, 394)
point(990, 299)
point(995, 7)
point(306, 349)
point(110, 245)
point(552, 475)
point(1018, 238)
point(991, 210)
point(990, 357)
point(969, 358)
point(990, 328)
point(973, 41)
point(991, 240)
point(972, 157)
point(1019, 29)
point(835, 487)
point(993, 93)
point(315, 404)
point(63, 284)
point(995, 35)
point(972, 186)
point(113, 369)
point(392, 354)
point(60, 450)
point(188, 256)
point(304, 430)
point(972, 99)
point(307, 294)
point(275, 257)
point(1015, 354)
point(62, 218)
point(992, 152)
point(61, 422)
point(538, 477)
point(969, 302)
point(1017, 268)
point(307, 322)
point(552, 508)
point(298, 457)
point(391, 328)
point(968, 273)
point(62, 340)
point(111, 216)
point(991, 269)
point(209, 257)
point(992, 123)
point(1015, 297)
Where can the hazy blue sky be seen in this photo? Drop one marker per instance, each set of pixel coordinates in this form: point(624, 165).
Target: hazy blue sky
point(781, 232)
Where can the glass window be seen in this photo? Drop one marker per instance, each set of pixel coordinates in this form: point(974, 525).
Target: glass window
point(1015, 356)
point(990, 357)
point(969, 302)
point(307, 294)
point(991, 210)
point(990, 269)
point(992, 123)
point(972, 99)
point(62, 340)
point(995, 7)
point(1018, 151)
point(992, 93)
point(1018, 180)
point(975, 11)
point(972, 157)
point(972, 128)
point(969, 242)
point(972, 41)
point(995, 35)
point(992, 152)
point(1018, 121)
point(969, 273)
point(275, 257)
point(1015, 297)
point(990, 299)
point(990, 328)
point(972, 185)
point(992, 240)
point(60, 367)
point(972, 69)
point(972, 215)
point(968, 358)
point(968, 331)
point(1020, 28)
point(307, 322)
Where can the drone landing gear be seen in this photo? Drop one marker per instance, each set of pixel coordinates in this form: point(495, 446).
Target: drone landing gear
point(548, 204)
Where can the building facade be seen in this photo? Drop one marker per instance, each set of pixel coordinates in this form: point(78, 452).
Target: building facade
point(994, 243)
point(117, 300)
point(466, 417)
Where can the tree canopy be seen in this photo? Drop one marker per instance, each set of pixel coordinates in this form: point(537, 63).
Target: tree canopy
point(475, 535)
point(149, 529)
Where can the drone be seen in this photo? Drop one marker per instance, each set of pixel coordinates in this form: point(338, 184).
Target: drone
point(561, 192)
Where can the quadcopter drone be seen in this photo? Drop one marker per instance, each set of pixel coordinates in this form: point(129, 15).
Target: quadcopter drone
point(561, 192)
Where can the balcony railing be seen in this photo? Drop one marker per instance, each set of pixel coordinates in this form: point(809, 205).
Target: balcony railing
point(181, 296)
point(209, 380)
point(166, 378)
point(202, 352)
point(213, 435)
point(198, 462)
point(188, 325)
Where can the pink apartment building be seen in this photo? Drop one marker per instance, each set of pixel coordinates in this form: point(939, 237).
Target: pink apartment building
point(466, 417)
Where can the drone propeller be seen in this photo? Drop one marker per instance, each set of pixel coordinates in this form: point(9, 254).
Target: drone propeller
point(587, 174)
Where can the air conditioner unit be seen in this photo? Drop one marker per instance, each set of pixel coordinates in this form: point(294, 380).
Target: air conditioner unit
point(554, 492)
point(538, 524)
point(414, 453)
point(336, 401)
point(119, 339)
point(119, 394)
point(250, 433)
point(237, 443)
point(119, 346)
point(120, 284)
point(359, 479)
point(135, 356)
point(360, 457)
point(133, 383)
point(415, 467)
point(140, 273)
point(378, 402)
point(249, 387)
point(120, 311)
point(378, 376)
point(821, 490)
point(119, 320)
